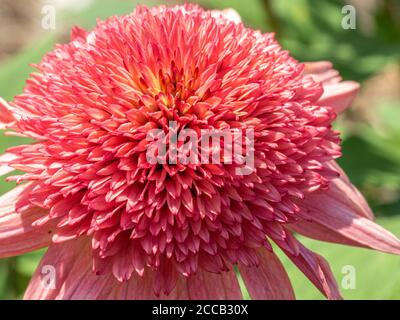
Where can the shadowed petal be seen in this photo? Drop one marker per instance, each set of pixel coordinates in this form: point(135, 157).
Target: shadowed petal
point(74, 280)
point(206, 285)
point(201, 286)
point(343, 190)
point(317, 231)
point(5, 170)
point(17, 235)
point(337, 219)
point(142, 288)
point(313, 266)
point(269, 280)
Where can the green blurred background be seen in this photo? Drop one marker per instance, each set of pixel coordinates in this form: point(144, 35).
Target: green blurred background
point(310, 30)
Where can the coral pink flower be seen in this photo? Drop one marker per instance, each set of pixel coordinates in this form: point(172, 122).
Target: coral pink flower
point(119, 227)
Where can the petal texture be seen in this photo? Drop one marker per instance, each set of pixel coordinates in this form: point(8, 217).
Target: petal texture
point(205, 285)
point(313, 266)
point(65, 273)
point(6, 115)
point(337, 94)
point(337, 219)
point(343, 190)
point(322, 71)
point(17, 235)
point(74, 280)
point(268, 280)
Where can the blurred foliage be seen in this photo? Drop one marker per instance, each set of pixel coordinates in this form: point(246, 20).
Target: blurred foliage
point(310, 30)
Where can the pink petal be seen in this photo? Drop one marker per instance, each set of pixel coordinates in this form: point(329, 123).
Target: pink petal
point(75, 280)
point(330, 217)
point(142, 288)
point(73, 277)
point(268, 281)
point(230, 14)
point(6, 115)
point(77, 33)
point(314, 268)
point(201, 286)
point(206, 285)
point(343, 190)
point(5, 170)
point(339, 95)
point(4, 160)
point(322, 71)
point(17, 235)
point(316, 231)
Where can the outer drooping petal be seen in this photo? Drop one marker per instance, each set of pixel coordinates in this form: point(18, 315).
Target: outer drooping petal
point(17, 235)
point(317, 269)
point(343, 189)
point(340, 214)
point(206, 285)
point(322, 71)
point(268, 280)
point(311, 264)
point(74, 280)
point(337, 94)
point(71, 275)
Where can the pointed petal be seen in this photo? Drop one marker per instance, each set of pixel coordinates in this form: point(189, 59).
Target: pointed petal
point(314, 268)
point(17, 235)
point(343, 190)
point(314, 230)
point(65, 272)
point(5, 170)
point(77, 33)
point(339, 95)
point(6, 115)
point(230, 14)
point(339, 219)
point(143, 288)
point(4, 160)
point(268, 281)
point(206, 285)
point(322, 71)
point(201, 286)
point(75, 280)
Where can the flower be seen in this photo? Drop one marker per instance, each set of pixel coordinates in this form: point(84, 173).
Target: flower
point(119, 227)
